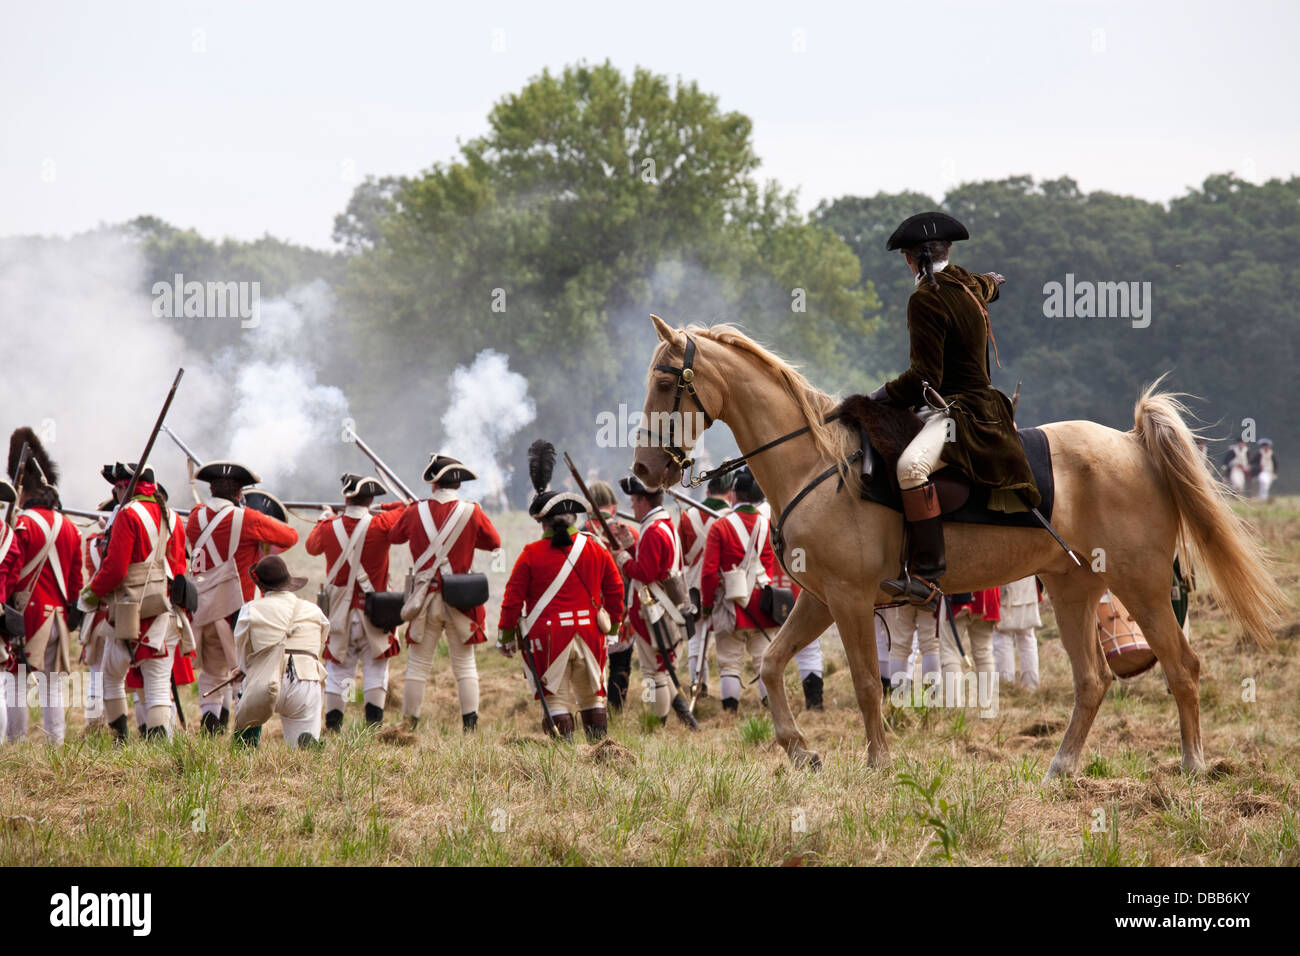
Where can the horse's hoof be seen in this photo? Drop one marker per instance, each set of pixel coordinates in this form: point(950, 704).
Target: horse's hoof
point(806, 760)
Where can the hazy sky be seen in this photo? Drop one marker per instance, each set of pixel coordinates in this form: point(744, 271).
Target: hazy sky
point(246, 118)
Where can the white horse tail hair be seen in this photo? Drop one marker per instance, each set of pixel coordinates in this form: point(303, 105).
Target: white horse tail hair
point(1219, 541)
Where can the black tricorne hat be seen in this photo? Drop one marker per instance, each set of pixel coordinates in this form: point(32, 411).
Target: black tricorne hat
point(272, 574)
point(227, 470)
point(266, 503)
point(746, 485)
point(444, 468)
point(355, 486)
point(926, 227)
point(117, 472)
point(632, 485)
point(7, 491)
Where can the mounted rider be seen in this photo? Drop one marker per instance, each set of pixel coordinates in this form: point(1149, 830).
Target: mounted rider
point(967, 422)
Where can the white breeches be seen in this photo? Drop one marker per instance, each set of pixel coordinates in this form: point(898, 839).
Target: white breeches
point(1013, 643)
point(340, 677)
point(921, 456)
point(910, 627)
point(299, 707)
point(47, 689)
point(441, 621)
point(1265, 481)
point(810, 660)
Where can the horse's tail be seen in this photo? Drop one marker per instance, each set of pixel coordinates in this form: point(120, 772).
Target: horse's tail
point(1220, 541)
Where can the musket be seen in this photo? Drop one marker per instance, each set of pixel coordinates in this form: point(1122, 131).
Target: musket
point(23, 458)
point(703, 667)
point(1015, 399)
point(591, 503)
point(391, 475)
point(625, 516)
point(225, 683)
point(183, 447)
point(656, 629)
point(148, 447)
point(687, 499)
point(521, 641)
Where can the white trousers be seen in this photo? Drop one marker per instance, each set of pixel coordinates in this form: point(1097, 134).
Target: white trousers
point(340, 677)
point(46, 689)
point(910, 626)
point(299, 707)
point(1265, 481)
point(921, 456)
point(441, 622)
point(810, 660)
point(1010, 644)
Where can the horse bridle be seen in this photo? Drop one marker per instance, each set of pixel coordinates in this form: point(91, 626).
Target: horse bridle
point(685, 375)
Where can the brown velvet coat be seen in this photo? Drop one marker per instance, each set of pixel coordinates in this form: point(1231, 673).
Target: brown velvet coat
point(948, 336)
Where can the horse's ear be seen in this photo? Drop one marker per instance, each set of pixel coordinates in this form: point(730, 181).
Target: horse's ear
point(666, 332)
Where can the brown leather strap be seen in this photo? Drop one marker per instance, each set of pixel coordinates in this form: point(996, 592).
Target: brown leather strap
point(921, 503)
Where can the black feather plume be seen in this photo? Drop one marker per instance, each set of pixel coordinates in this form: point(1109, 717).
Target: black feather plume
point(541, 462)
point(39, 463)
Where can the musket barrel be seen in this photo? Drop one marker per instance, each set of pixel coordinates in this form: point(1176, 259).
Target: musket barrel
point(387, 472)
point(687, 499)
point(182, 446)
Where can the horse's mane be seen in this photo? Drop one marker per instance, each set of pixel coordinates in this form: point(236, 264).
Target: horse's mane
point(832, 441)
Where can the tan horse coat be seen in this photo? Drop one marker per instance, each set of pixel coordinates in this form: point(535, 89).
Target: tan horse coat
point(1122, 501)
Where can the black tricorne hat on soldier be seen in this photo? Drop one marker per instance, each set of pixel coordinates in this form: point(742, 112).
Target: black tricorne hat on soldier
point(356, 486)
point(40, 470)
point(227, 471)
point(117, 473)
point(547, 503)
point(926, 227)
point(746, 486)
point(445, 469)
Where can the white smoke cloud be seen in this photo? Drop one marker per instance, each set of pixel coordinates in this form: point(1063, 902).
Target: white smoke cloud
point(489, 404)
point(87, 363)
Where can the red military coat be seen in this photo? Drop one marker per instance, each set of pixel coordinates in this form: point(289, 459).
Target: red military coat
point(723, 551)
point(374, 549)
point(693, 541)
point(258, 530)
point(479, 534)
point(986, 604)
point(658, 554)
point(49, 590)
point(593, 583)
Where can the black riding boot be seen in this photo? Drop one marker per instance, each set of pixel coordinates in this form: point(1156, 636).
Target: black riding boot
point(374, 715)
point(682, 708)
point(812, 691)
point(918, 582)
point(469, 722)
point(595, 723)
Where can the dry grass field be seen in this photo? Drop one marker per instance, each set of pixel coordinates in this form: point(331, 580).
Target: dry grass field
point(962, 789)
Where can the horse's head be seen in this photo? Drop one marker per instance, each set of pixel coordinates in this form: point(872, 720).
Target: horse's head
point(677, 396)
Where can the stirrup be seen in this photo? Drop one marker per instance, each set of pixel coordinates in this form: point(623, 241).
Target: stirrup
point(916, 591)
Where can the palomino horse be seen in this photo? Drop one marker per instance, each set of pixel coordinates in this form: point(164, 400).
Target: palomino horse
point(1124, 500)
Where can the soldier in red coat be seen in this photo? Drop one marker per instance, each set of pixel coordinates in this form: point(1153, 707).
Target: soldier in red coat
point(693, 530)
point(443, 533)
point(564, 597)
point(134, 582)
point(40, 576)
point(355, 546)
point(651, 570)
point(620, 644)
point(225, 540)
point(975, 615)
point(738, 562)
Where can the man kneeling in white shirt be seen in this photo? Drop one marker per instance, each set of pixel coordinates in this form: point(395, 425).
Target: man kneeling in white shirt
point(278, 639)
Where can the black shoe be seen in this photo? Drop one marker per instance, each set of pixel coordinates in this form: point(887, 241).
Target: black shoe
point(683, 711)
point(333, 721)
point(469, 722)
point(595, 723)
point(249, 737)
point(143, 728)
point(118, 726)
point(153, 733)
point(704, 689)
point(886, 686)
point(918, 582)
point(374, 715)
point(225, 719)
point(210, 724)
point(412, 722)
point(812, 691)
point(307, 742)
point(732, 704)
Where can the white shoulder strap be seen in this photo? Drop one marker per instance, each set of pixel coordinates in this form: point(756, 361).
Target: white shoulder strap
point(350, 553)
point(701, 533)
point(554, 587)
point(48, 553)
point(443, 539)
point(208, 527)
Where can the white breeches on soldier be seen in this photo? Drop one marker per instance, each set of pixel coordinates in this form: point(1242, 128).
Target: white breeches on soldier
point(694, 648)
point(906, 623)
point(731, 659)
point(810, 660)
point(299, 707)
point(215, 666)
point(656, 686)
point(921, 456)
point(977, 640)
point(341, 676)
point(1013, 643)
point(47, 689)
point(1265, 481)
point(438, 620)
point(578, 688)
point(1237, 478)
point(156, 673)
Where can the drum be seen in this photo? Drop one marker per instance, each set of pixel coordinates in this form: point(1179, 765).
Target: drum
point(1127, 652)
